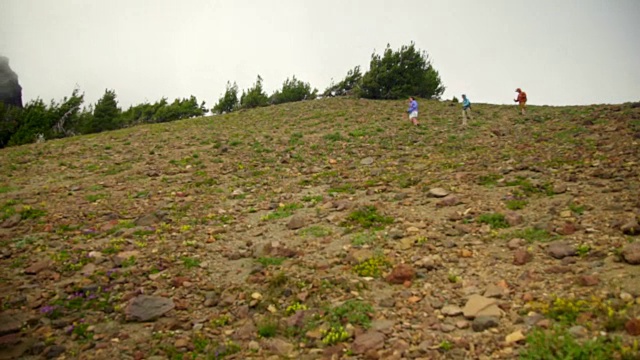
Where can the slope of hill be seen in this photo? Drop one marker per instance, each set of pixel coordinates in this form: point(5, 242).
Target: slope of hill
point(327, 229)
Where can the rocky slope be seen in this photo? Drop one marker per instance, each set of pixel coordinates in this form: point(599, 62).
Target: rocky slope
point(326, 229)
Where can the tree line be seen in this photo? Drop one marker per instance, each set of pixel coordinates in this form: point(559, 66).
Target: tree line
point(394, 74)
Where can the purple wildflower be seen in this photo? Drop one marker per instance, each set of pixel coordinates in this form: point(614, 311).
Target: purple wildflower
point(47, 309)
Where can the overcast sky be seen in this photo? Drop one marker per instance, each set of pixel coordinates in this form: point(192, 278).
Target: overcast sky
point(559, 51)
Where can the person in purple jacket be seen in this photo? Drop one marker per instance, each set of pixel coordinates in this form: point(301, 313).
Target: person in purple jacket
point(413, 110)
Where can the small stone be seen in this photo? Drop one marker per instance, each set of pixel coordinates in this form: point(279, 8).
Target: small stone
point(88, 269)
point(145, 308)
point(10, 323)
point(451, 310)
point(515, 337)
point(494, 291)
point(37, 267)
point(280, 347)
point(559, 188)
point(400, 274)
point(11, 221)
point(578, 331)
point(367, 161)
point(513, 218)
point(521, 257)
point(449, 200)
point(181, 343)
point(256, 296)
point(365, 342)
point(147, 220)
point(516, 243)
point(631, 228)
point(482, 323)
point(633, 327)
point(631, 253)
point(462, 324)
point(560, 250)
point(438, 192)
point(297, 222)
point(588, 280)
point(476, 305)
point(124, 256)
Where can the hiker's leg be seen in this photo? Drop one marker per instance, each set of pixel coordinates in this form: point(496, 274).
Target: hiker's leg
point(469, 113)
point(464, 117)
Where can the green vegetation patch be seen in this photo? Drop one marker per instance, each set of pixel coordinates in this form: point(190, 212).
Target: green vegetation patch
point(368, 217)
point(495, 220)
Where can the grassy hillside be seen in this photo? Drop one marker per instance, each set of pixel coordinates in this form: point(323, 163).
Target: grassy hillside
point(327, 228)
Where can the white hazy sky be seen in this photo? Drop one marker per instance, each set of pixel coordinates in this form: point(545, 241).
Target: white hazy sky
point(559, 51)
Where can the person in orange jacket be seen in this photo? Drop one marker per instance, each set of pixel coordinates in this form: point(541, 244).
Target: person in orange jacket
point(521, 100)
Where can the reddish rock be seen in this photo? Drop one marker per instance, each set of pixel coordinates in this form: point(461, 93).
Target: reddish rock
point(366, 342)
point(567, 229)
point(588, 280)
point(560, 250)
point(180, 280)
point(557, 269)
point(449, 200)
point(521, 257)
point(633, 327)
point(37, 267)
point(513, 218)
point(400, 274)
point(631, 253)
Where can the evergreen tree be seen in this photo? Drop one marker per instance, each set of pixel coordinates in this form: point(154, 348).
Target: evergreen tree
point(255, 96)
point(105, 114)
point(293, 90)
point(402, 73)
point(350, 85)
point(229, 101)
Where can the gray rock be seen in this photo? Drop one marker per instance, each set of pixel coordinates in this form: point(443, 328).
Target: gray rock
point(146, 308)
point(147, 220)
point(451, 310)
point(482, 323)
point(560, 250)
point(631, 253)
point(367, 161)
point(297, 222)
point(631, 228)
point(494, 291)
point(438, 192)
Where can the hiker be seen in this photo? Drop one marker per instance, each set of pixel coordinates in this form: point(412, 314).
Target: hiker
point(466, 109)
point(522, 100)
point(413, 110)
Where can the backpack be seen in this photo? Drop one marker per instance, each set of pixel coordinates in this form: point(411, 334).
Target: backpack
point(524, 96)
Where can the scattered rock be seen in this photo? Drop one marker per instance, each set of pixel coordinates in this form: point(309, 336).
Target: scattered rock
point(516, 243)
point(279, 347)
point(482, 323)
point(633, 327)
point(560, 250)
point(478, 305)
point(400, 274)
point(367, 161)
point(146, 308)
point(147, 220)
point(588, 280)
point(11, 323)
point(365, 342)
point(449, 200)
point(494, 291)
point(54, 351)
point(631, 253)
point(125, 256)
point(297, 222)
point(514, 337)
point(451, 310)
point(37, 267)
point(521, 257)
point(438, 192)
point(11, 221)
point(513, 218)
point(631, 228)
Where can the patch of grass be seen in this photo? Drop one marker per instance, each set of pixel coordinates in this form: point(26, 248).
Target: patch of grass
point(281, 212)
point(267, 329)
point(558, 343)
point(576, 209)
point(189, 262)
point(516, 204)
point(354, 312)
point(529, 188)
point(28, 212)
point(495, 220)
point(583, 250)
point(6, 189)
point(270, 261)
point(489, 180)
point(316, 231)
point(343, 188)
point(336, 136)
point(312, 198)
point(95, 197)
point(372, 267)
point(367, 217)
point(363, 238)
point(532, 235)
point(295, 307)
point(278, 280)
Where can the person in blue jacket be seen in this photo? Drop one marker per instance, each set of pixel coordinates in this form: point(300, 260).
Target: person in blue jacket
point(466, 109)
point(413, 110)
